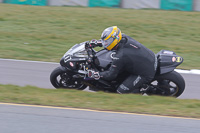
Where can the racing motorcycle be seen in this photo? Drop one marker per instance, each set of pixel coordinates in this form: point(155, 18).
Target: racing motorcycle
point(81, 58)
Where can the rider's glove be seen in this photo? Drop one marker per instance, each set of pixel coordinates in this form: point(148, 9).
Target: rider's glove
point(93, 74)
point(95, 43)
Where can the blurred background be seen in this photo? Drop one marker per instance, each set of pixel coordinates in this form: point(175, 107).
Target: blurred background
point(43, 30)
point(184, 5)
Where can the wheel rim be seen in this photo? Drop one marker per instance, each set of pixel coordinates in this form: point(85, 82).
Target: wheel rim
point(63, 80)
point(165, 87)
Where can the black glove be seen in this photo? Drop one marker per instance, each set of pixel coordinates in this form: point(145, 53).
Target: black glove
point(93, 74)
point(95, 43)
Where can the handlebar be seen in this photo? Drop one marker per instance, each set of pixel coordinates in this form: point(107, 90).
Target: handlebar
point(89, 48)
point(90, 45)
point(94, 43)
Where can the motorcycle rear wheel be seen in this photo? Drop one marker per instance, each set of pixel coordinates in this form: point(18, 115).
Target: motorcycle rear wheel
point(62, 79)
point(169, 84)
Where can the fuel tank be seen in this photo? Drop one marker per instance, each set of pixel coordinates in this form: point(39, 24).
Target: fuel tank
point(104, 58)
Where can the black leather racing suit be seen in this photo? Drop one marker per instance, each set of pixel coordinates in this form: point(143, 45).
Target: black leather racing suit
point(134, 58)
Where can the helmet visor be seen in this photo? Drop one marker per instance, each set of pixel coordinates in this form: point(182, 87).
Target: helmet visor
point(107, 42)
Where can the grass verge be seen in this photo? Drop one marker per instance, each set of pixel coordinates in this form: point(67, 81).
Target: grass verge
point(46, 33)
point(100, 101)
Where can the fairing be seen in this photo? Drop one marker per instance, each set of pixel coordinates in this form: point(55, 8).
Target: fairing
point(167, 61)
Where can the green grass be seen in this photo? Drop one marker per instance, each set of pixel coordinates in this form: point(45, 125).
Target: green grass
point(100, 101)
point(46, 33)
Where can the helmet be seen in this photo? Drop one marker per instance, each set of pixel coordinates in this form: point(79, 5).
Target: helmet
point(111, 37)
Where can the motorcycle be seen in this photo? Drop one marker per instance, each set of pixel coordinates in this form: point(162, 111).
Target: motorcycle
point(81, 58)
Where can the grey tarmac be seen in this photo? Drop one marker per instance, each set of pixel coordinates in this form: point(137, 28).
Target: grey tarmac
point(33, 119)
point(34, 73)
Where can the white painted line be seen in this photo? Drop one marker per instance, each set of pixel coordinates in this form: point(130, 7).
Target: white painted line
point(93, 110)
point(27, 61)
point(192, 71)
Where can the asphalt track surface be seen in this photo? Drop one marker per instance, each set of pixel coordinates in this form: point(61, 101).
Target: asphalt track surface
point(22, 73)
point(34, 119)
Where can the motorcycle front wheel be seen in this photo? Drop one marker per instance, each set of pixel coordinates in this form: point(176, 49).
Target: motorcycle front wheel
point(63, 79)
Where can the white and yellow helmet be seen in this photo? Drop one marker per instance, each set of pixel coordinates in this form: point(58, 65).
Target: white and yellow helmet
point(110, 37)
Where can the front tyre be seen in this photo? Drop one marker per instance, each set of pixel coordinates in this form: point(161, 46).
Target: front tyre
point(62, 79)
point(169, 84)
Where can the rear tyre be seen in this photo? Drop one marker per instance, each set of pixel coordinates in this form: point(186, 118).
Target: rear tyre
point(62, 79)
point(169, 84)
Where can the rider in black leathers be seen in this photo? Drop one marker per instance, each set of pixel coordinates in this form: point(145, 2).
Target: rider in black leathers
point(131, 56)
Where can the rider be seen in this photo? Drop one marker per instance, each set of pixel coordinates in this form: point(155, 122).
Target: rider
point(130, 56)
